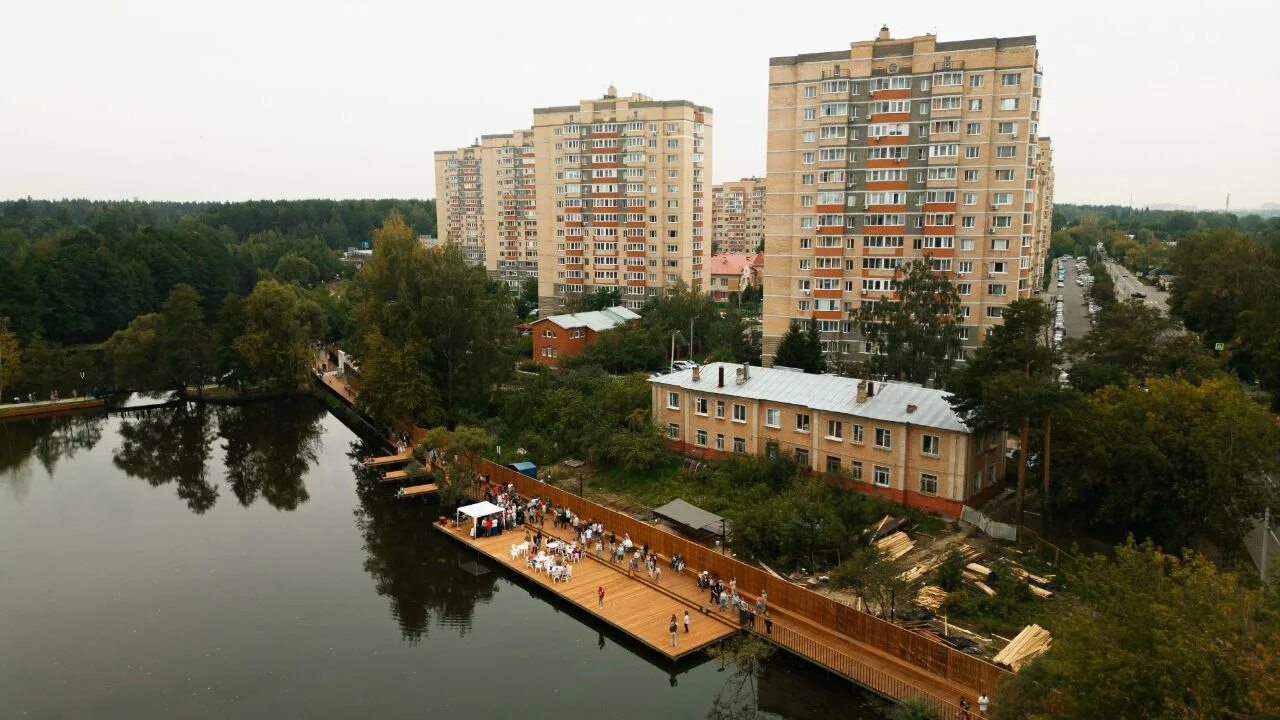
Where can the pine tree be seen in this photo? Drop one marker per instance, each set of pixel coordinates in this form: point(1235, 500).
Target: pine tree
point(800, 348)
point(917, 332)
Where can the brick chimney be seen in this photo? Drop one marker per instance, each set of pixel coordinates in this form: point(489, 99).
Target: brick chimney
point(884, 33)
point(862, 391)
point(721, 383)
point(697, 373)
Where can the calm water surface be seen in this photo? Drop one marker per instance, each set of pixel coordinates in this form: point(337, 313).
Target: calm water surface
point(214, 562)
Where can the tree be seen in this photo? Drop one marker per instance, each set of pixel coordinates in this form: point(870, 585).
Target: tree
point(1132, 340)
point(599, 300)
point(916, 332)
point(183, 340)
point(800, 348)
point(451, 327)
point(1189, 467)
point(1157, 637)
point(638, 446)
point(875, 579)
point(295, 269)
point(458, 452)
point(10, 356)
point(132, 354)
point(279, 322)
point(1009, 381)
point(526, 302)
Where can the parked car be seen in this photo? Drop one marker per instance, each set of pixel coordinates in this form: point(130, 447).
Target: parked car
point(682, 365)
point(1137, 294)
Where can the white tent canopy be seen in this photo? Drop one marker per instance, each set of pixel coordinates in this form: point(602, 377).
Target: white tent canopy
point(479, 510)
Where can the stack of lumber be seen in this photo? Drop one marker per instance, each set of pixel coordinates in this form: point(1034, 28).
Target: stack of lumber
point(1029, 643)
point(896, 545)
point(929, 564)
point(931, 597)
point(887, 526)
point(981, 571)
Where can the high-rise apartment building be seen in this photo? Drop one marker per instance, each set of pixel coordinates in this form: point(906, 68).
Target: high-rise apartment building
point(508, 172)
point(737, 215)
point(895, 150)
point(460, 200)
point(1044, 206)
point(622, 189)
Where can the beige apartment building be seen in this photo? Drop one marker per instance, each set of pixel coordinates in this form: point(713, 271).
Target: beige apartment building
point(895, 440)
point(622, 186)
point(737, 216)
point(893, 150)
point(1044, 207)
point(460, 201)
point(508, 177)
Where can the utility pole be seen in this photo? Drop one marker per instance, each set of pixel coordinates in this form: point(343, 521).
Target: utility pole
point(690, 339)
point(1266, 544)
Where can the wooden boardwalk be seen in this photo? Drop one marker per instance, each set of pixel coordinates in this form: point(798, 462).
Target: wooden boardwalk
point(389, 459)
point(415, 490)
point(636, 607)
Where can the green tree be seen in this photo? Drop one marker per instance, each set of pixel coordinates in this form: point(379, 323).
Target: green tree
point(638, 446)
point(132, 354)
point(279, 322)
point(183, 341)
point(1133, 340)
point(1169, 460)
point(295, 269)
point(586, 302)
point(1155, 637)
point(451, 326)
point(801, 348)
point(10, 356)
point(1009, 381)
point(738, 698)
point(875, 579)
point(526, 302)
point(458, 452)
point(917, 331)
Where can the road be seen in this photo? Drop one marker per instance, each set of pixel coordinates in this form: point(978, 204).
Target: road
point(1075, 311)
point(1127, 284)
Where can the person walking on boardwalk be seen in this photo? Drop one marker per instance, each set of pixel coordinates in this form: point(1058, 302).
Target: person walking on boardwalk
point(686, 621)
point(984, 704)
point(673, 628)
point(768, 623)
point(657, 573)
point(600, 596)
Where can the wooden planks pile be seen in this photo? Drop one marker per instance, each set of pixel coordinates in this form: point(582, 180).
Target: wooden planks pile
point(929, 564)
point(931, 597)
point(896, 545)
point(1032, 641)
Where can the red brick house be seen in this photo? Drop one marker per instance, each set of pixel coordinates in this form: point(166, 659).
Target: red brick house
point(558, 337)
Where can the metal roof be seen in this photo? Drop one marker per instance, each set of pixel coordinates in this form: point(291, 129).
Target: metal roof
point(889, 402)
point(692, 516)
point(595, 319)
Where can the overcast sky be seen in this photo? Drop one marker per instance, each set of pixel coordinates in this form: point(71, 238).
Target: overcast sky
point(1161, 102)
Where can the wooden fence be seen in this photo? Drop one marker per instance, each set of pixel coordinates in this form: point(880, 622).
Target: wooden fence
point(923, 652)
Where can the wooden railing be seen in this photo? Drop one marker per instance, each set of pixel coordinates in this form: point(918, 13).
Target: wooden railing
point(857, 671)
point(922, 652)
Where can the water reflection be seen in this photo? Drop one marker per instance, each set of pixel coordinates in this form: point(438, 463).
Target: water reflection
point(425, 575)
point(170, 445)
point(268, 449)
point(48, 440)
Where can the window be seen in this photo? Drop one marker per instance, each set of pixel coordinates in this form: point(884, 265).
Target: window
point(810, 91)
point(673, 400)
point(971, 176)
point(802, 423)
point(773, 417)
point(856, 434)
point(880, 475)
point(810, 114)
point(835, 430)
point(673, 431)
point(975, 81)
point(700, 406)
point(739, 413)
point(1007, 128)
point(884, 438)
point(1010, 79)
point(968, 221)
point(833, 464)
point(1002, 199)
point(808, 158)
point(975, 104)
point(802, 457)
point(972, 151)
point(1006, 151)
point(809, 136)
point(1009, 103)
point(928, 484)
point(739, 445)
point(948, 78)
point(930, 445)
point(700, 438)
point(855, 469)
point(973, 128)
point(720, 409)
point(719, 442)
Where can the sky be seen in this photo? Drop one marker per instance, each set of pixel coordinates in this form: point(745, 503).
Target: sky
point(1146, 102)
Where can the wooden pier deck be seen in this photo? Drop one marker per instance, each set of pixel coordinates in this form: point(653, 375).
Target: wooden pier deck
point(415, 490)
point(51, 407)
point(636, 607)
point(396, 459)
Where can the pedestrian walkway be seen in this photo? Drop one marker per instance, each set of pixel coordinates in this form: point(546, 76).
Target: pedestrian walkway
point(635, 607)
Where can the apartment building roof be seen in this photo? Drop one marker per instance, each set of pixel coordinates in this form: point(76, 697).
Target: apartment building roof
point(596, 320)
point(734, 263)
point(905, 47)
point(896, 402)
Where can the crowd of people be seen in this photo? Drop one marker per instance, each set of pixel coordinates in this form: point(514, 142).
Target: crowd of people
point(722, 597)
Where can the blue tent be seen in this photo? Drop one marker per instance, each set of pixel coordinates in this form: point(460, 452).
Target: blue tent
point(525, 468)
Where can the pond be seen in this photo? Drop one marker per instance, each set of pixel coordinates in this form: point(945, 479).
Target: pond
point(229, 561)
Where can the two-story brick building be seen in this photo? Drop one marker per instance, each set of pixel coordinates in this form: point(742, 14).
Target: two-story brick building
point(895, 440)
point(558, 337)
